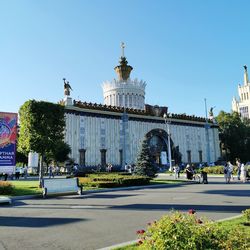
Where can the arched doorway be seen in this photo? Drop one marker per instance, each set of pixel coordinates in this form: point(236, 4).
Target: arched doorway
point(157, 140)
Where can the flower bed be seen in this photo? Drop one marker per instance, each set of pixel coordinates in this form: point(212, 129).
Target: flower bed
point(186, 231)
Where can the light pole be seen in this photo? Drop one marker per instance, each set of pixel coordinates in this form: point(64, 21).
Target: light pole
point(207, 133)
point(167, 122)
point(124, 122)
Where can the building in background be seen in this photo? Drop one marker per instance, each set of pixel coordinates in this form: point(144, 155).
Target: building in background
point(242, 104)
point(113, 132)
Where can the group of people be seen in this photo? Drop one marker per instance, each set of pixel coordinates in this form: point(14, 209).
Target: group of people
point(241, 171)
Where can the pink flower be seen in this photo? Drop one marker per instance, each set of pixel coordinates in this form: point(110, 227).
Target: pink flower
point(140, 231)
point(191, 211)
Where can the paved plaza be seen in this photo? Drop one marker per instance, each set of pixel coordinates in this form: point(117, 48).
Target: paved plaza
point(98, 220)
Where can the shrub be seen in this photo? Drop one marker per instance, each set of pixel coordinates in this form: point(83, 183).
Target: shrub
point(217, 170)
point(179, 231)
point(246, 214)
point(6, 188)
point(113, 180)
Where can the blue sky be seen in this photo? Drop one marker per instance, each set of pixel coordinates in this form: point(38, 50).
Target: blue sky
point(185, 50)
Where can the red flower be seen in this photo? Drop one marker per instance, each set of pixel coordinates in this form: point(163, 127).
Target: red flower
point(140, 231)
point(191, 211)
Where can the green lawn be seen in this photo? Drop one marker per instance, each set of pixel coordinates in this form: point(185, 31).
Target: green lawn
point(159, 181)
point(235, 223)
point(31, 187)
point(26, 188)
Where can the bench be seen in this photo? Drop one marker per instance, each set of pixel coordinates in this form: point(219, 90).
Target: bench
point(61, 186)
point(4, 199)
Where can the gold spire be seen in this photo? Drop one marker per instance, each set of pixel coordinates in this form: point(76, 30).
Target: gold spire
point(123, 70)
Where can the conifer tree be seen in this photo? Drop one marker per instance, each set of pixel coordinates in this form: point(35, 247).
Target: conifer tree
point(144, 165)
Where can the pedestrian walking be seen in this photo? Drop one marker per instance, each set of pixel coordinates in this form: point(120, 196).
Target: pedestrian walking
point(227, 174)
point(238, 164)
point(51, 174)
point(176, 171)
point(243, 173)
point(25, 172)
point(230, 170)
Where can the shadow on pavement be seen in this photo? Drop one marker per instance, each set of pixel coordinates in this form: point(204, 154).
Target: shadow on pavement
point(237, 193)
point(182, 207)
point(10, 221)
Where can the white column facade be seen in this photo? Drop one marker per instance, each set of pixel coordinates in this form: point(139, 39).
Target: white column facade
point(132, 92)
point(102, 131)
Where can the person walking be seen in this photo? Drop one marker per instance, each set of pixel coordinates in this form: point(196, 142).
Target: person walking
point(25, 172)
point(51, 174)
point(238, 164)
point(243, 173)
point(176, 171)
point(230, 170)
point(226, 173)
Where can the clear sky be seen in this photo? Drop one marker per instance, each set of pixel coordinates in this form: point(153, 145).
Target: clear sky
point(185, 50)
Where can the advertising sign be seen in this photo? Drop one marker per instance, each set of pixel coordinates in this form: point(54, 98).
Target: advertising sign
point(8, 134)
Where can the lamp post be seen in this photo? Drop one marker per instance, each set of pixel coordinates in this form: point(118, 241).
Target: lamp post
point(124, 122)
point(207, 133)
point(167, 122)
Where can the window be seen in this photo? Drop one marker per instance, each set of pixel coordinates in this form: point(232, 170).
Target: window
point(103, 157)
point(82, 156)
point(121, 159)
point(189, 156)
point(200, 156)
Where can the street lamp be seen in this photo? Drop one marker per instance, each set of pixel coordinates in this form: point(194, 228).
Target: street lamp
point(167, 122)
point(207, 126)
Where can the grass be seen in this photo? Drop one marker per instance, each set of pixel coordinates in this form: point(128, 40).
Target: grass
point(32, 187)
point(25, 188)
point(159, 181)
point(228, 224)
point(235, 223)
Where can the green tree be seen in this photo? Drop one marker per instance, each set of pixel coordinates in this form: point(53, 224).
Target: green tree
point(234, 136)
point(144, 164)
point(41, 128)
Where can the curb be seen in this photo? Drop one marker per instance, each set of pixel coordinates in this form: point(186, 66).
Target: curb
point(119, 245)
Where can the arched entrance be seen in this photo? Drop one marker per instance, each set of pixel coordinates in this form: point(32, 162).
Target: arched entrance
point(157, 140)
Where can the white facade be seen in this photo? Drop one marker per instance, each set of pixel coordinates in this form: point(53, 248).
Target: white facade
point(242, 105)
point(92, 131)
point(130, 93)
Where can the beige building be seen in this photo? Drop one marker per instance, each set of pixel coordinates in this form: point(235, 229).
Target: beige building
point(242, 104)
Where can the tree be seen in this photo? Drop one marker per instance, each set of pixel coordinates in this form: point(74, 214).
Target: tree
point(234, 136)
point(41, 128)
point(144, 164)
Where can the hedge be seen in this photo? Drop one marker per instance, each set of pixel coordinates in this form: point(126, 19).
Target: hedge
point(113, 180)
point(6, 188)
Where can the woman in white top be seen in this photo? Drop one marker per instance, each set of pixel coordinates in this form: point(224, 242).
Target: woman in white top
point(243, 173)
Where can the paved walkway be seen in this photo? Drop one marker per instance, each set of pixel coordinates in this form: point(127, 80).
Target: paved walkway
point(99, 220)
